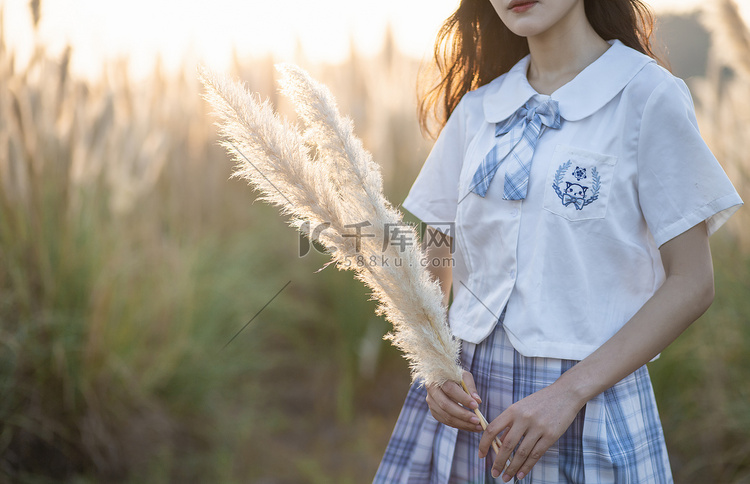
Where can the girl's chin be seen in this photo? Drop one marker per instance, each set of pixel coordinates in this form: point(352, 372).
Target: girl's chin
point(524, 29)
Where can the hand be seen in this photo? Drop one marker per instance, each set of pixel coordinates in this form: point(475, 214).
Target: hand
point(541, 419)
point(450, 404)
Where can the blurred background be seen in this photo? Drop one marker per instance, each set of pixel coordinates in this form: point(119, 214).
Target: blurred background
point(129, 260)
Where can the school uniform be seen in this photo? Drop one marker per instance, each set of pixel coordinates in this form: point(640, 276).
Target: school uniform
point(543, 280)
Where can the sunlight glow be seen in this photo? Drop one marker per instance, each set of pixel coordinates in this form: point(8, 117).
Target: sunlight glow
point(189, 31)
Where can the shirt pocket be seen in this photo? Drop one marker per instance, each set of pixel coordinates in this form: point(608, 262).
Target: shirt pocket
point(578, 183)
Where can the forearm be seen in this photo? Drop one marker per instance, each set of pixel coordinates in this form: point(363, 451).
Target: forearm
point(684, 296)
point(438, 258)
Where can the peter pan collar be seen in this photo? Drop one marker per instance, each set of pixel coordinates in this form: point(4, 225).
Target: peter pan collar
point(588, 92)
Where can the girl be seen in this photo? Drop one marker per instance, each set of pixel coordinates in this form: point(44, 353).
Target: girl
point(580, 197)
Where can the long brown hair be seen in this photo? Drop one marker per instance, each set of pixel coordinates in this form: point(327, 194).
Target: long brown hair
point(473, 47)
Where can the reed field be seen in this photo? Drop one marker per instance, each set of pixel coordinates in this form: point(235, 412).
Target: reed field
point(130, 264)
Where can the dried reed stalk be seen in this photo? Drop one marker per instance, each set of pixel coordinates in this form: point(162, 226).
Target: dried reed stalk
point(722, 101)
point(730, 35)
point(325, 176)
point(408, 297)
point(340, 187)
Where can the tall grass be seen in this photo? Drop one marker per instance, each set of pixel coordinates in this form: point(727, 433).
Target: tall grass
point(128, 260)
point(102, 344)
point(723, 102)
point(703, 380)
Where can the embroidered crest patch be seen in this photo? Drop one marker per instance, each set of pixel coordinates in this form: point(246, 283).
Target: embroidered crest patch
point(576, 193)
point(579, 183)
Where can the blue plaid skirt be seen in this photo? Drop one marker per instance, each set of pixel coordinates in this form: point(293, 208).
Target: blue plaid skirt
point(616, 438)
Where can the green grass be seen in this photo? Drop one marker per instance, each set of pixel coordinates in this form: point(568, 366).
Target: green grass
point(702, 381)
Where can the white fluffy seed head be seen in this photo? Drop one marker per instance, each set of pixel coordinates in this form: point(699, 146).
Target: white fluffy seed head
point(341, 186)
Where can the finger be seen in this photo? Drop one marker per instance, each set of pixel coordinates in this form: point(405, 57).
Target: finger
point(536, 453)
point(471, 386)
point(451, 421)
point(510, 441)
point(495, 428)
point(446, 398)
point(521, 455)
point(450, 413)
point(457, 394)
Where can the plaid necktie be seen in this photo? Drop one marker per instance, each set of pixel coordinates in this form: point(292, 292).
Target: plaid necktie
point(523, 130)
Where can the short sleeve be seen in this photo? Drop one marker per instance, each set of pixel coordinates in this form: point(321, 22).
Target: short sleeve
point(433, 197)
point(680, 182)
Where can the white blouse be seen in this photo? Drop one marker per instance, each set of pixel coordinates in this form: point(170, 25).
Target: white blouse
point(573, 262)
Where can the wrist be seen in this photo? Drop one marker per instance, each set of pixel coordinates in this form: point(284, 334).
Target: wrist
point(579, 386)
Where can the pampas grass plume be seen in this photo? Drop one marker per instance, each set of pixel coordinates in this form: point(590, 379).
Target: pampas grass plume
point(325, 176)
